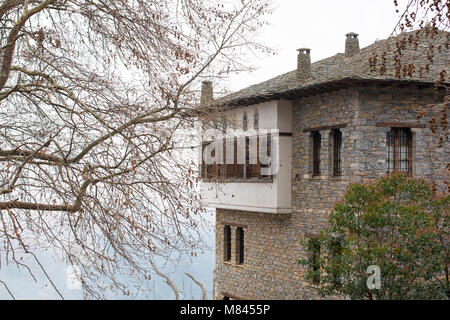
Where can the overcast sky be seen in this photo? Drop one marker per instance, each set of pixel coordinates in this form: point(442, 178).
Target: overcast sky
point(320, 25)
point(317, 24)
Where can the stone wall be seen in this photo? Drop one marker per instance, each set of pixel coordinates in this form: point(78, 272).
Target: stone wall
point(272, 247)
point(399, 103)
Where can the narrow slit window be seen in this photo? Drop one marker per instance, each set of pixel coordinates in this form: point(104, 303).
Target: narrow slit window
point(240, 245)
point(227, 243)
point(316, 141)
point(337, 157)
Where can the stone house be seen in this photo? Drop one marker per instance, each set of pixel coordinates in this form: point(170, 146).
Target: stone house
point(327, 124)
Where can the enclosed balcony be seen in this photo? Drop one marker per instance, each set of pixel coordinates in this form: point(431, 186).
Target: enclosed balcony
point(249, 168)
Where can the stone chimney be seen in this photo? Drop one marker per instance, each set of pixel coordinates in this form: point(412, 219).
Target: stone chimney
point(303, 65)
point(207, 93)
point(351, 44)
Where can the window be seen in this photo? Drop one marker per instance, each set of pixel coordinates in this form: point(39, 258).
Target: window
point(227, 243)
point(212, 170)
point(208, 170)
point(313, 258)
point(399, 150)
point(232, 168)
point(254, 167)
point(252, 162)
point(267, 154)
point(222, 167)
point(316, 141)
point(337, 147)
point(240, 245)
point(203, 166)
point(244, 160)
point(256, 120)
point(245, 121)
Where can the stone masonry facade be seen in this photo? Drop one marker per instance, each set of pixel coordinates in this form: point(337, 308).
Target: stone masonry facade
point(364, 113)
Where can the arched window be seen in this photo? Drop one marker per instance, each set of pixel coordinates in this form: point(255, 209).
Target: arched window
point(245, 121)
point(256, 120)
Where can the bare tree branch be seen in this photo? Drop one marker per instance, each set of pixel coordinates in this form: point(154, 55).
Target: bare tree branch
point(201, 285)
point(97, 104)
point(168, 281)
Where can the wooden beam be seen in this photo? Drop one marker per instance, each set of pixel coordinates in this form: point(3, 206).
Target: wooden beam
point(400, 125)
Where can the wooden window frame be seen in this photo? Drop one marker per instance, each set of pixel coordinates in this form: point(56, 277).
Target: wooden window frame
point(236, 172)
point(394, 139)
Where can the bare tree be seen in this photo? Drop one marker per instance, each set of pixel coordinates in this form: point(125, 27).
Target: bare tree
point(93, 102)
point(201, 285)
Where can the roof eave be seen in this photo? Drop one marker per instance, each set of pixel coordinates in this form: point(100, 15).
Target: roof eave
point(313, 89)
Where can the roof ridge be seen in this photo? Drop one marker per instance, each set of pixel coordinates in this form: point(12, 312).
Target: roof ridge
point(339, 67)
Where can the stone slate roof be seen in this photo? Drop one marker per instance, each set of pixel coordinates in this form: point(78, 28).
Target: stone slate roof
point(341, 69)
